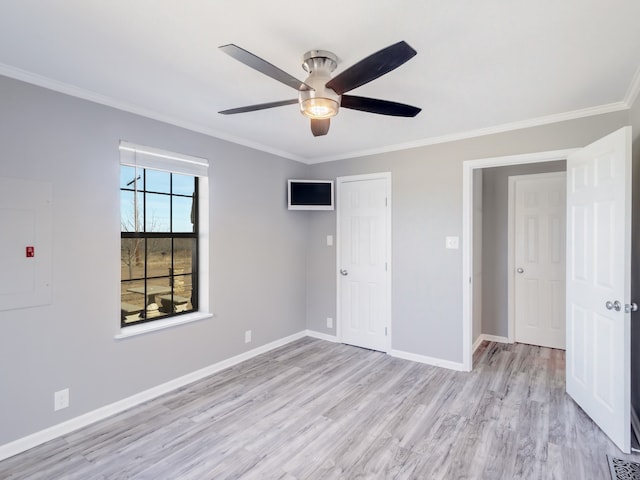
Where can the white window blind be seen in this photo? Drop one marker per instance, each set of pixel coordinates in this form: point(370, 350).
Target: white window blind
point(158, 159)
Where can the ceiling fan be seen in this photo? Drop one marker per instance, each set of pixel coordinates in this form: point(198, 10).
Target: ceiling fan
point(320, 96)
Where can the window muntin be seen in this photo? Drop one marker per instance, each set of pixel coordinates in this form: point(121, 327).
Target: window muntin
point(159, 244)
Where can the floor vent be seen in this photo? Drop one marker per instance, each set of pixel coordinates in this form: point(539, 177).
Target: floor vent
point(623, 469)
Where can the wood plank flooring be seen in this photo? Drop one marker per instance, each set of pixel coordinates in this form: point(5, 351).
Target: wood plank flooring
point(319, 410)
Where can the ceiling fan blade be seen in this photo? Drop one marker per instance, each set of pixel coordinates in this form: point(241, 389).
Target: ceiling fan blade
point(320, 126)
point(372, 67)
point(382, 107)
point(260, 106)
point(262, 66)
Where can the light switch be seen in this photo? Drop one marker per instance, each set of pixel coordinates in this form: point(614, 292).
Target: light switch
point(329, 240)
point(452, 243)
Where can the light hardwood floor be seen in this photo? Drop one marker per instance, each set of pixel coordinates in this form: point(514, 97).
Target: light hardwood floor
point(319, 410)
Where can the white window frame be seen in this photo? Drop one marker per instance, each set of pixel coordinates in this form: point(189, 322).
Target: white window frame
point(154, 158)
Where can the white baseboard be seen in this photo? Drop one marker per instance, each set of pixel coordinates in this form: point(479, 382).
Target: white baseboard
point(436, 362)
point(22, 444)
point(38, 438)
point(489, 338)
point(414, 357)
point(322, 336)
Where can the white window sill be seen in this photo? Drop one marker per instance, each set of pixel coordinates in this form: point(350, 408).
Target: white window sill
point(141, 329)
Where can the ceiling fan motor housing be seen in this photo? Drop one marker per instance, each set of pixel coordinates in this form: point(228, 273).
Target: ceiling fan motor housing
point(322, 102)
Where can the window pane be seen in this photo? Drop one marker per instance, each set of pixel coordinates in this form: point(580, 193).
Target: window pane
point(128, 211)
point(132, 304)
point(189, 292)
point(182, 294)
point(158, 257)
point(183, 184)
point(182, 207)
point(157, 212)
point(156, 273)
point(158, 297)
point(129, 178)
point(183, 251)
point(157, 181)
point(131, 258)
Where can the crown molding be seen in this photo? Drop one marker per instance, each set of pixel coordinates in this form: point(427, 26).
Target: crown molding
point(634, 89)
point(72, 90)
point(506, 127)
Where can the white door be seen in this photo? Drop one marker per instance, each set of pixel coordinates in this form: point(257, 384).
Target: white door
point(539, 259)
point(598, 282)
point(363, 260)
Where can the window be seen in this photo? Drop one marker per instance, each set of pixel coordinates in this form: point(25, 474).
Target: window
point(160, 230)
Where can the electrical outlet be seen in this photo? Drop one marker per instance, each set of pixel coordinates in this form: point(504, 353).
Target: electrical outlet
point(60, 399)
point(329, 322)
point(452, 242)
point(247, 336)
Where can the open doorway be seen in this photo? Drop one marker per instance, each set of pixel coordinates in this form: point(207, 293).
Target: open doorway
point(598, 229)
point(497, 314)
point(526, 162)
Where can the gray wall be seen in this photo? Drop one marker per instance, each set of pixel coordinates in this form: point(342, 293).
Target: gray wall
point(427, 207)
point(477, 272)
point(257, 256)
point(495, 235)
point(271, 270)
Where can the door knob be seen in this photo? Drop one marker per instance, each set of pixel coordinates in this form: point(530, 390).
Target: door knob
point(617, 306)
point(630, 307)
point(520, 270)
point(343, 272)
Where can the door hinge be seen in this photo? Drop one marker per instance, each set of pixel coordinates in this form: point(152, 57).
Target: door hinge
point(386, 202)
point(385, 331)
point(386, 267)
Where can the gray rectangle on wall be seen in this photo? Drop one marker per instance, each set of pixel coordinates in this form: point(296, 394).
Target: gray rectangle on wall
point(25, 243)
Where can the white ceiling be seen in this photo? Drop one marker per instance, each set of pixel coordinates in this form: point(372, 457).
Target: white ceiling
point(482, 66)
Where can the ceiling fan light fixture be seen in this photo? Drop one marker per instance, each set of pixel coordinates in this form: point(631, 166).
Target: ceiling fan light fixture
point(319, 102)
point(319, 107)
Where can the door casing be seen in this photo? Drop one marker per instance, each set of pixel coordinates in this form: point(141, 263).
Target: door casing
point(468, 168)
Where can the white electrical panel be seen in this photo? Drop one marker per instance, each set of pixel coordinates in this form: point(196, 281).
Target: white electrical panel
point(25, 243)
